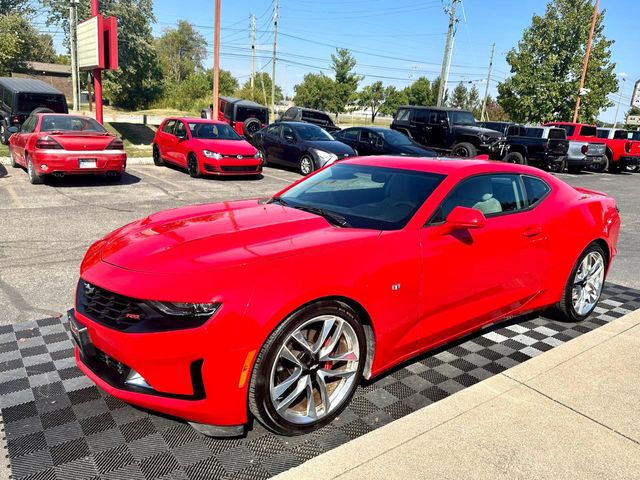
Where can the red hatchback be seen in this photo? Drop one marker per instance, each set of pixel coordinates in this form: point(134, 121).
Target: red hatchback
point(277, 309)
point(61, 144)
point(205, 147)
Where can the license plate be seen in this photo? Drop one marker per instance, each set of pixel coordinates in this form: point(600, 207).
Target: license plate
point(80, 336)
point(87, 163)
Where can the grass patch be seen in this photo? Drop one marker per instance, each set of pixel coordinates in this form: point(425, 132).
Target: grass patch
point(4, 150)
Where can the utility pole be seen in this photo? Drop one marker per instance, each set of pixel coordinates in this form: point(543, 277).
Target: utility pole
point(273, 59)
point(216, 62)
point(444, 74)
point(615, 121)
point(97, 73)
point(74, 52)
point(486, 87)
point(586, 61)
point(253, 48)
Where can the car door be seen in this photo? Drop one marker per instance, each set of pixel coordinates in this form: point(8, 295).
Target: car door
point(436, 130)
point(289, 151)
point(167, 141)
point(474, 276)
point(366, 143)
point(271, 142)
point(418, 129)
point(181, 145)
point(19, 140)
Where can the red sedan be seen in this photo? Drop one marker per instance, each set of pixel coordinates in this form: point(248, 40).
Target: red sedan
point(61, 144)
point(278, 308)
point(205, 147)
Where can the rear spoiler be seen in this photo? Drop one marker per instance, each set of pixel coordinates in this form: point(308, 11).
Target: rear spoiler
point(588, 191)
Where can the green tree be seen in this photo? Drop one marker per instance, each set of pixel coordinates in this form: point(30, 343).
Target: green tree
point(181, 51)
point(21, 7)
point(20, 42)
point(394, 98)
point(421, 93)
point(495, 112)
point(459, 96)
point(379, 99)
point(261, 90)
point(547, 64)
point(346, 81)
point(474, 104)
point(315, 91)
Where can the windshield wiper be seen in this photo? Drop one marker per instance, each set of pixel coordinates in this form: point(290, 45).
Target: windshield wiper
point(280, 200)
point(333, 217)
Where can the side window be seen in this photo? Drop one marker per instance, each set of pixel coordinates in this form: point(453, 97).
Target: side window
point(620, 135)
point(536, 189)
point(366, 136)
point(29, 125)
point(181, 129)
point(603, 133)
point(290, 114)
point(433, 118)
point(420, 116)
point(273, 130)
point(491, 194)
point(287, 133)
point(350, 134)
point(402, 115)
point(513, 130)
point(168, 126)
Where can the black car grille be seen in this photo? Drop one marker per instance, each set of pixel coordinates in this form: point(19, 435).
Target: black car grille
point(239, 157)
point(239, 168)
point(117, 366)
point(108, 308)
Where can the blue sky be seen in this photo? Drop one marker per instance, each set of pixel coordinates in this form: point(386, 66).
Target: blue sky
point(393, 40)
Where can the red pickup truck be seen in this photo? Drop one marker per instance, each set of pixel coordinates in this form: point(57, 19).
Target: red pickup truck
point(620, 152)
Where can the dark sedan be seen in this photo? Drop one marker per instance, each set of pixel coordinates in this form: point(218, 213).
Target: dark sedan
point(298, 144)
point(381, 141)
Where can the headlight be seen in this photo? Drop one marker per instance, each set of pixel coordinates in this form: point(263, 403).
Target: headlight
point(258, 154)
point(326, 158)
point(210, 154)
point(178, 309)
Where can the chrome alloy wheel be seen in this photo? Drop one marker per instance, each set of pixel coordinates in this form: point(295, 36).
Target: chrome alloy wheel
point(314, 370)
point(587, 283)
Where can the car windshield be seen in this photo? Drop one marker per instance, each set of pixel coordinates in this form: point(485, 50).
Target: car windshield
point(213, 131)
point(394, 138)
point(367, 197)
point(461, 118)
point(69, 123)
point(312, 132)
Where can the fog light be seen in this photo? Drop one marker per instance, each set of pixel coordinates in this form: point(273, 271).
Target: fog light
point(136, 380)
point(44, 166)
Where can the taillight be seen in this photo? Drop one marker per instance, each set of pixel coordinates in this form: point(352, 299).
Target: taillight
point(116, 144)
point(584, 149)
point(15, 118)
point(627, 147)
point(48, 143)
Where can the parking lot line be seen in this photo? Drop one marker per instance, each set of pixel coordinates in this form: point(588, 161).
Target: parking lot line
point(14, 197)
point(175, 185)
point(276, 177)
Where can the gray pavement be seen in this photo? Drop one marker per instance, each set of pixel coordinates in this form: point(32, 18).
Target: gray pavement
point(46, 229)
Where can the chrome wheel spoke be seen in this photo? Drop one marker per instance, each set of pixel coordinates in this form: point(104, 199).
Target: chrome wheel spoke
point(312, 411)
point(350, 356)
point(301, 340)
point(300, 388)
point(324, 393)
point(288, 354)
point(324, 334)
point(281, 388)
point(588, 283)
point(337, 373)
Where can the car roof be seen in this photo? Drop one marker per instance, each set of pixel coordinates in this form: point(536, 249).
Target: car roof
point(241, 102)
point(305, 109)
point(445, 165)
point(197, 119)
point(569, 123)
point(28, 85)
point(443, 109)
point(295, 124)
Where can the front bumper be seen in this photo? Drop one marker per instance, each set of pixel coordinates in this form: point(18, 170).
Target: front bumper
point(231, 166)
point(68, 162)
point(188, 376)
point(496, 148)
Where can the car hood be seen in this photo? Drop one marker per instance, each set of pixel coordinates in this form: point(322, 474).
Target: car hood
point(225, 147)
point(207, 237)
point(416, 150)
point(332, 146)
point(478, 130)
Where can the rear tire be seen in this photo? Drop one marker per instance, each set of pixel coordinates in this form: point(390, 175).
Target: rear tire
point(34, 177)
point(587, 279)
point(464, 149)
point(515, 157)
point(192, 166)
point(632, 168)
point(600, 167)
point(557, 167)
point(157, 158)
point(285, 365)
point(12, 159)
point(4, 133)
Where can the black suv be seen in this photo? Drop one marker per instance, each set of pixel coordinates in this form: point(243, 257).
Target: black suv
point(317, 117)
point(447, 130)
point(20, 97)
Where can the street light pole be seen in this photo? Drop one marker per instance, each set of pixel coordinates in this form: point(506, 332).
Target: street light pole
point(447, 53)
point(615, 121)
point(74, 52)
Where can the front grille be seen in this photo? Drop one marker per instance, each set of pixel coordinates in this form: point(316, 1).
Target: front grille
point(239, 157)
point(108, 308)
point(117, 366)
point(239, 168)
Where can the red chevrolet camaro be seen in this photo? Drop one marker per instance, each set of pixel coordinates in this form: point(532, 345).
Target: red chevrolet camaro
point(205, 147)
point(278, 308)
point(61, 144)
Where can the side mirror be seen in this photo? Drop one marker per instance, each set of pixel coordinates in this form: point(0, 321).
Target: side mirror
point(13, 129)
point(464, 218)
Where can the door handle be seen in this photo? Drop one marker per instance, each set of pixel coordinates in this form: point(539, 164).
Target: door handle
point(532, 231)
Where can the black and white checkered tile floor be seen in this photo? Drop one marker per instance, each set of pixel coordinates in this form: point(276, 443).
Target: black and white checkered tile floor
point(60, 426)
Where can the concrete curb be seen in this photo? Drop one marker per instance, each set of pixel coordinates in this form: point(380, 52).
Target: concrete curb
point(394, 440)
point(130, 161)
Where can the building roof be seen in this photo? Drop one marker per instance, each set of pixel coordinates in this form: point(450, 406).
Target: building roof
point(49, 67)
point(28, 85)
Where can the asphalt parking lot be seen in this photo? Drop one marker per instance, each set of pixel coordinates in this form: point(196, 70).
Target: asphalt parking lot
point(46, 229)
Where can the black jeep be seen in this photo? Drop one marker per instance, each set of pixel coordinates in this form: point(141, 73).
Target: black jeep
point(317, 117)
point(447, 130)
point(20, 97)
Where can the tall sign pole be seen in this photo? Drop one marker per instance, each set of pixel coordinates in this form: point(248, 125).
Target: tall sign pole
point(253, 49)
point(586, 61)
point(73, 51)
point(97, 74)
point(216, 63)
point(273, 60)
point(486, 87)
point(447, 53)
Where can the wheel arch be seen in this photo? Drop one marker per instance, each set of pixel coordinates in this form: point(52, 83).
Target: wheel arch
point(475, 141)
point(521, 149)
point(602, 243)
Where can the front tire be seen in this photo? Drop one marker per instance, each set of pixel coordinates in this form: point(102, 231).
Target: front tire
point(584, 287)
point(12, 159)
point(157, 158)
point(192, 166)
point(306, 165)
point(464, 149)
point(515, 157)
point(308, 369)
point(34, 177)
